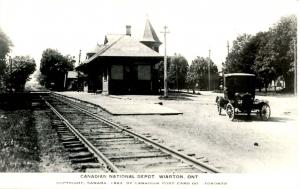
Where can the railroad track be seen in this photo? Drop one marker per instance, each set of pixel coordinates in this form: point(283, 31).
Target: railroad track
point(99, 144)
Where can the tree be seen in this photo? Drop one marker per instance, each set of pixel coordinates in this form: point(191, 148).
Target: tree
point(197, 75)
point(54, 67)
point(178, 71)
point(275, 57)
point(281, 49)
point(22, 68)
point(263, 67)
point(192, 78)
point(5, 45)
point(235, 59)
point(269, 55)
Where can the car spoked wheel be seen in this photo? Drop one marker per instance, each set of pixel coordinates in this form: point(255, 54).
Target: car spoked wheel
point(230, 111)
point(265, 112)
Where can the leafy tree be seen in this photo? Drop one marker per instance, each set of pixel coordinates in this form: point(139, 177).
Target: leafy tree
point(197, 75)
point(54, 67)
point(280, 49)
point(264, 68)
point(269, 55)
point(192, 78)
point(250, 51)
point(5, 45)
point(235, 59)
point(178, 71)
point(22, 68)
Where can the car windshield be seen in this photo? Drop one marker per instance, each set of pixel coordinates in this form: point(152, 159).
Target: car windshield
point(240, 84)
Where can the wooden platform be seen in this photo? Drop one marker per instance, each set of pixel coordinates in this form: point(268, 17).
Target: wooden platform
point(120, 105)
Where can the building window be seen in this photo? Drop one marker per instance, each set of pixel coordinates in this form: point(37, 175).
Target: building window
point(117, 72)
point(144, 72)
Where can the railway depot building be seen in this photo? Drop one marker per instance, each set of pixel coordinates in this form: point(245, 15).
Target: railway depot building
point(124, 65)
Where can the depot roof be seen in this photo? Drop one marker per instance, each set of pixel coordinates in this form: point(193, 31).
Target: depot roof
point(120, 45)
point(150, 34)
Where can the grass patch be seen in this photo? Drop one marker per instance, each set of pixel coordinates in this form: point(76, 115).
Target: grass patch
point(19, 151)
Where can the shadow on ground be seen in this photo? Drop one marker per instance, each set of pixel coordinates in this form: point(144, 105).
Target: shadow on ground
point(178, 96)
point(256, 118)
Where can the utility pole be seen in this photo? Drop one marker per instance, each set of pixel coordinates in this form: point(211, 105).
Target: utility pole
point(79, 57)
point(227, 48)
point(177, 77)
point(209, 69)
point(165, 63)
point(10, 64)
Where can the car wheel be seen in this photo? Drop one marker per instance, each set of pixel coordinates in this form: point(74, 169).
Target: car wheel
point(230, 111)
point(265, 112)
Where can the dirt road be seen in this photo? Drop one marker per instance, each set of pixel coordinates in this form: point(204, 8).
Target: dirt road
point(242, 146)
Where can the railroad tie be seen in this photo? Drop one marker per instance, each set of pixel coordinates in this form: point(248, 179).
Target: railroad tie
point(88, 166)
point(78, 149)
point(72, 138)
point(84, 160)
point(81, 155)
point(70, 143)
point(74, 145)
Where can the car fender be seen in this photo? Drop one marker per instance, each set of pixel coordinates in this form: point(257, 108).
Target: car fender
point(259, 102)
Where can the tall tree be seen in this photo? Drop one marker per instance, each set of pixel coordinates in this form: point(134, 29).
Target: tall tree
point(197, 75)
point(264, 67)
point(54, 67)
point(235, 59)
point(22, 68)
point(178, 71)
point(269, 55)
point(5, 45)
point(281, 48)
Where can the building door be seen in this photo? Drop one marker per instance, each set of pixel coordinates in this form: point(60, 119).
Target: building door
point(131, 75)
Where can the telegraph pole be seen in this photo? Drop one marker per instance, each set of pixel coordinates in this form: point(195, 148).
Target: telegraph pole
point(79, 57)
point(227, 48)
point(10, 63)
point(165, 63)
point(209, 69)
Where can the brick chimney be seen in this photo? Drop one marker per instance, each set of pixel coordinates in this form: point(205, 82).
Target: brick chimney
point(128, 30)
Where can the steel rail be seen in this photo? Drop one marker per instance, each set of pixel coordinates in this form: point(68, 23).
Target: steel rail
point(166, 149)
point(100, 156)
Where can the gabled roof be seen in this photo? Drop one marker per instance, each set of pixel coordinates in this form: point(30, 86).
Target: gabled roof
point(96, 49)
point(123, 46)
point(149, 33)
point(112, 37)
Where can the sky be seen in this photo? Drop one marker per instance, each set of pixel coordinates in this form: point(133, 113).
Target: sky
point(195, 26)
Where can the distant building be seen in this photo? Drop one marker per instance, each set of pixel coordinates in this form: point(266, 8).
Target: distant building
point(74, 80)
point(123, 65)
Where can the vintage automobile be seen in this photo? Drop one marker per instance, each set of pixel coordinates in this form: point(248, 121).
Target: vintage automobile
point(239, 97)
